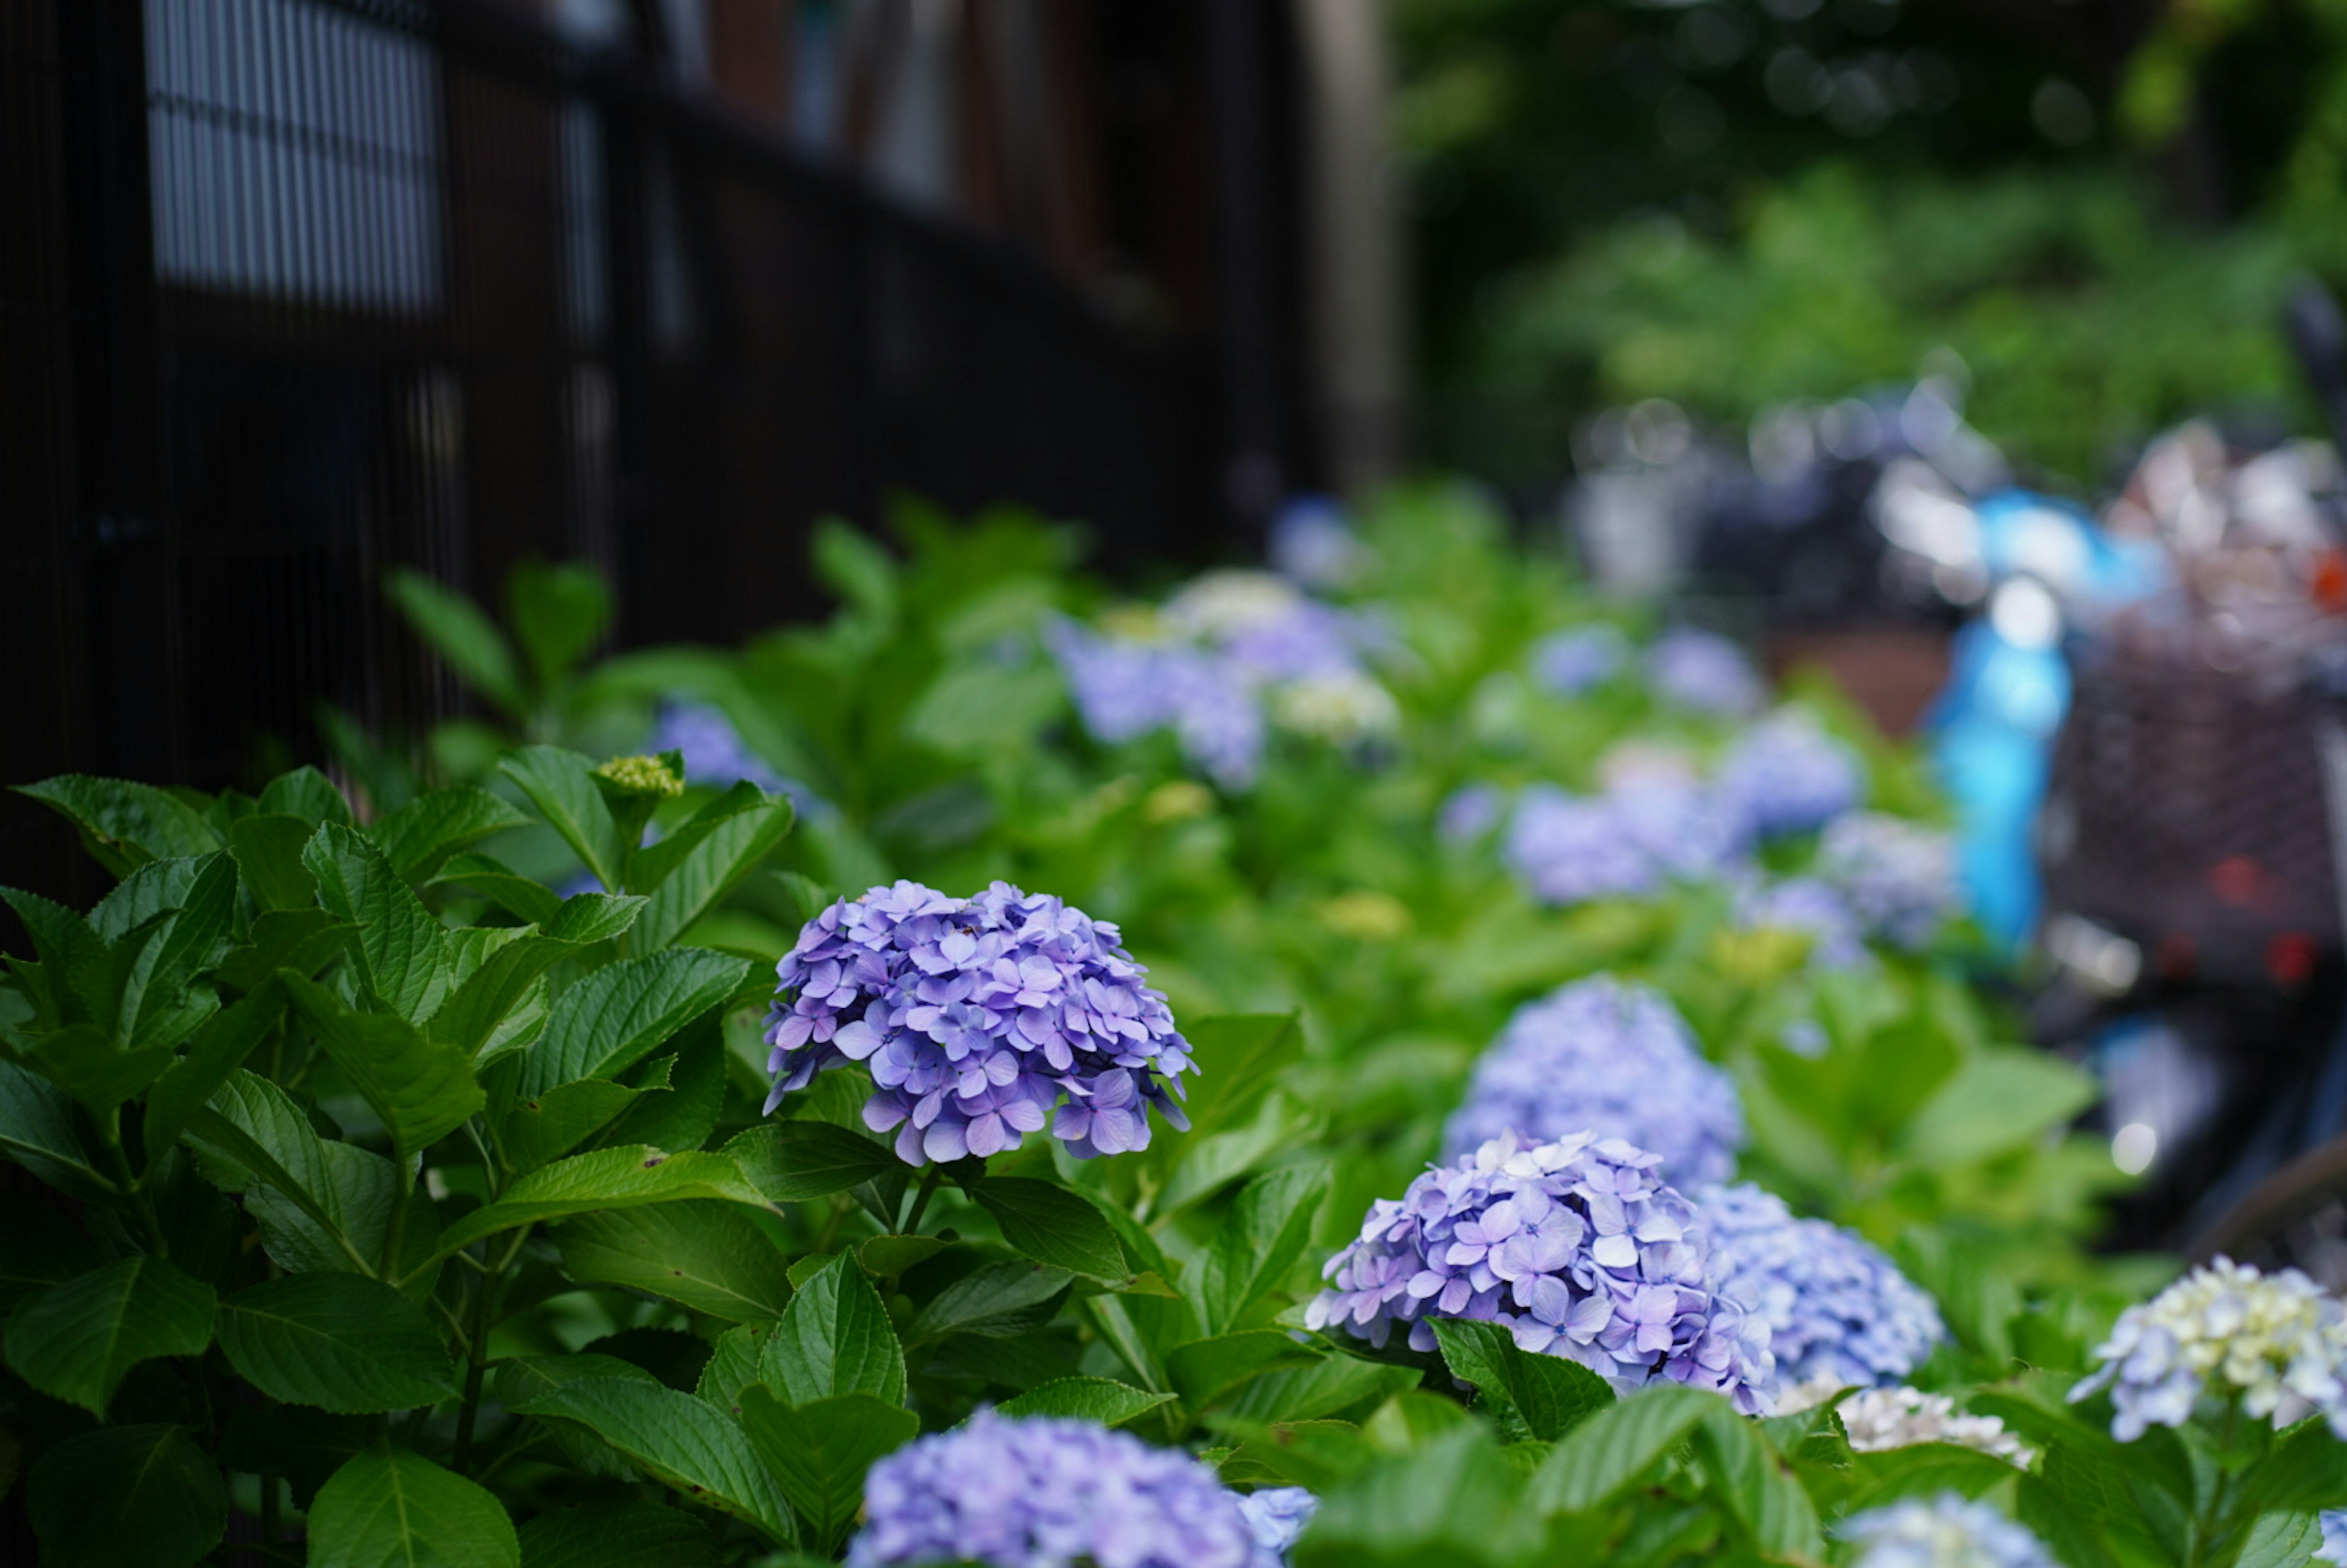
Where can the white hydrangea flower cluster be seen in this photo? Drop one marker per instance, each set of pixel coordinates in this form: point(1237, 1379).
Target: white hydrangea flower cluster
point(1343, 706)
point(1231, 602)
point(1900, 1418)
point(2276, 1341)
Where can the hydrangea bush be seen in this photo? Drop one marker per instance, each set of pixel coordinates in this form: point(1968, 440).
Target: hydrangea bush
point(417, 1141)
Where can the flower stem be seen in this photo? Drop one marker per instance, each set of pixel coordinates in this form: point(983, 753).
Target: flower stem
point(133, 1186)
point(929, 1178)
point(395, 1233)
point(476, 1346)
point(831, 1226)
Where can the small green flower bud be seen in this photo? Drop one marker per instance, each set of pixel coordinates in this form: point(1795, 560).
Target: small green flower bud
point(648, 776)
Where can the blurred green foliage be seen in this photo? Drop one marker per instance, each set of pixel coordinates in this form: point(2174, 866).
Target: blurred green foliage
point(2084, 320)
point(1735, 202)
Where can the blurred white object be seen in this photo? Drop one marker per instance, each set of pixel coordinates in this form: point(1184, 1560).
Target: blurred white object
point(1634, 509)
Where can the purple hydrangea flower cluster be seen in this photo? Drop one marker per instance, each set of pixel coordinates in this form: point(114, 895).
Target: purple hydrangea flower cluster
point(1786, 774)
point(1576, 1246)
point(1125, 690)
point(1814, 910)
point(1706, 672)
point(1603, 1056)
point(1949, 1530)
point(1276, 1516)
point(978, 1017)
point(1569, 849)
point(1899, 877)
point(1576, 661)
point(1836, 1308)
point(1048, 1493)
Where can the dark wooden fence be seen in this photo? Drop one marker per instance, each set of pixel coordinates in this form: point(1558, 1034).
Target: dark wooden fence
point(291, 289)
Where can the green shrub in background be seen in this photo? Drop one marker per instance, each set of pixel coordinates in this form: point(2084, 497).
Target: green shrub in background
point(371, 1190)
point(2083, 321)
point(1734, 202)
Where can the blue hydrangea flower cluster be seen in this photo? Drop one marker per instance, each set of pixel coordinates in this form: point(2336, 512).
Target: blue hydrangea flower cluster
point(1048, 1493)
point(1786, 776)
point(2334, 1549)
point(1125, 690)
point(1605, 1057)
point(1693, 832)
point(1944, 1532)
point(1580, 659)
point(1571, 849)
point(1838, 1310)
point(1577, 1247)
point(2274, 1341)
point(1276, 1516)
point(1899, 877)
point(977, 1018)
point(1705, 671)
point(1813, 909)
